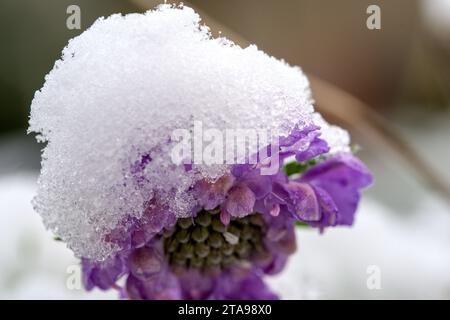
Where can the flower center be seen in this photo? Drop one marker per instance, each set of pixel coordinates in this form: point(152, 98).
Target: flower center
point(205, 243)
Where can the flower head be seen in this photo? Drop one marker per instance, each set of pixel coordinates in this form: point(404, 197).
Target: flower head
point(110, 190)
point(223, 253)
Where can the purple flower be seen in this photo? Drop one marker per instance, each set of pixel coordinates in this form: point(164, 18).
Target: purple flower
point(328, 193)
point(305, 144)
point(137, 178)
point(202, 258)
point(241, 229)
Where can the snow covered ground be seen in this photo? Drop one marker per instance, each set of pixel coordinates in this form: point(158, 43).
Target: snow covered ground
point(410, 255)
point(32, 264)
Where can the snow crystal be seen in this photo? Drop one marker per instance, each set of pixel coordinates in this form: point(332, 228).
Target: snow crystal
point(337, 138)
point(109, 106)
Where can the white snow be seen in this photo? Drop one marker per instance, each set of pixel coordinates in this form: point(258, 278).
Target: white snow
point(119, 91)
point(32, 264)
point(409, 250)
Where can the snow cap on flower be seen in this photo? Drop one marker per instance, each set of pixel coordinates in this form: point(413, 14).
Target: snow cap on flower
point(109, 106)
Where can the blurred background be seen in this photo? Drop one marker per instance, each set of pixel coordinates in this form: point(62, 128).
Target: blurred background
point(390, 87)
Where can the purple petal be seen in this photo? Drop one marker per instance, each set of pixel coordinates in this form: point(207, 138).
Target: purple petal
point(277, 264)
point(261, 185)
point(341, 177)
point(145, 262)
point(162, 286)
point(297, 135)
point(211, 195)
point(317, 147)
point(275, 210)
point(101, 274)
point(195, 285)
point(240, 201)
point(328, 208)
point(303, 202)
point(225, 217)
point(249, 286)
